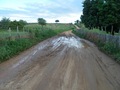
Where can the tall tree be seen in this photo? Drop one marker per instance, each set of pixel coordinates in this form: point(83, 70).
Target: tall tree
point(102, 13)
point(5, 23)
point(14, 24)
point(86, 12)
point(22, 23)
point(41, 21)
point(57, 21)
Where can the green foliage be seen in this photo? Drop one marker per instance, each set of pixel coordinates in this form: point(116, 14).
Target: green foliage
point(10, 48)
point(57, 21)
point(6, 34)
point(77, 22)
point(94, 30)
point(6, 23)
point(41, 21)
point(110, 48)
point(103, 14)
point(20, 24)
point(53, 26)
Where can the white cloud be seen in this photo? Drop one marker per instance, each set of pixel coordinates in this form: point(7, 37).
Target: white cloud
point(65, 11)
point(14, 8)
point(28, 18)
point(70, 17)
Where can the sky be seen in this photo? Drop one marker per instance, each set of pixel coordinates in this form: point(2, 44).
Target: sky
point(66, 11)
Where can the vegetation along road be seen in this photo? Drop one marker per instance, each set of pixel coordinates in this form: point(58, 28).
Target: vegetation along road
point(63, 62)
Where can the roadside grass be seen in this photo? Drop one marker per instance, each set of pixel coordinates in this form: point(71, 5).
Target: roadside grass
point(109, 48)
point(10, 48)
point(5, 34)
point(100, 31)
point(55, 26)
point(94, 30)
point(112, 50)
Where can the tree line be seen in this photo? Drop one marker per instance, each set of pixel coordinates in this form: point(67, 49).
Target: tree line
point(102, 14)
point(6, 23)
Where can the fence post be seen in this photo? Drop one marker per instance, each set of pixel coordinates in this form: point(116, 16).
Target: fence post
point(9, 30)
point(23, 29)
point(18, 32)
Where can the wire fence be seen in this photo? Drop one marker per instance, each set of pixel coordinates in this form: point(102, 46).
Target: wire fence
point(105, 38)
point(12, 35)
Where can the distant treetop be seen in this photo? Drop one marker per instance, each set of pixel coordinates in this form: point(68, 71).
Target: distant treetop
point(57, 21)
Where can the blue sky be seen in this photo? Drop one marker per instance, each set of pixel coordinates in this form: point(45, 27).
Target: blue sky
point(64, 10)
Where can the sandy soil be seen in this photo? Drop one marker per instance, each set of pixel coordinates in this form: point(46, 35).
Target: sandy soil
point(64, 62)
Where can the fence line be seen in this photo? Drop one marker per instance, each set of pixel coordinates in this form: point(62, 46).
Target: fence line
point(101, 37)
point(14, 37)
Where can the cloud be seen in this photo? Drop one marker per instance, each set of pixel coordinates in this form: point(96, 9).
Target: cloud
point(65, 11)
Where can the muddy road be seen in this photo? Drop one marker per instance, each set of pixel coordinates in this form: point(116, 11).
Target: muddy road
point(64, 62)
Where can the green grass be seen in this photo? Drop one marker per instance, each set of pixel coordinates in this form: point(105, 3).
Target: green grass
point(55, 26)
point(10, 48)
point(98, 31)
point(94, 30)
point(5, 34)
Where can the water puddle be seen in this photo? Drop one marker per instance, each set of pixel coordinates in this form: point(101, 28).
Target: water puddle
point(69, 41)
point(42, 47)
point(20, 62)
point(28, 57)
point(34, 52)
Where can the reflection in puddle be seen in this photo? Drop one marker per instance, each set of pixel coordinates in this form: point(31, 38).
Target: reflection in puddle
point(69, 41)
point(34, 52)
point(28, 57)
point(20, 62)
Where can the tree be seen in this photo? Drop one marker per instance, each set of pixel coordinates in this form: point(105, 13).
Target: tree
point(22, 23)
point(86, 13)
point(4, 23)
point(77, 22)
point(103, 14)
point(14, 24)
point(56, 21)
point(41, 21)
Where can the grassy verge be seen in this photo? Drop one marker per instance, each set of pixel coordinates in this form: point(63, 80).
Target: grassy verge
point(10, 48)
point(109, 48)
point(95, 30)
point(5, 34)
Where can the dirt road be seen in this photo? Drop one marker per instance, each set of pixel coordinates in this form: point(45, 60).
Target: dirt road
point(64, 62)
